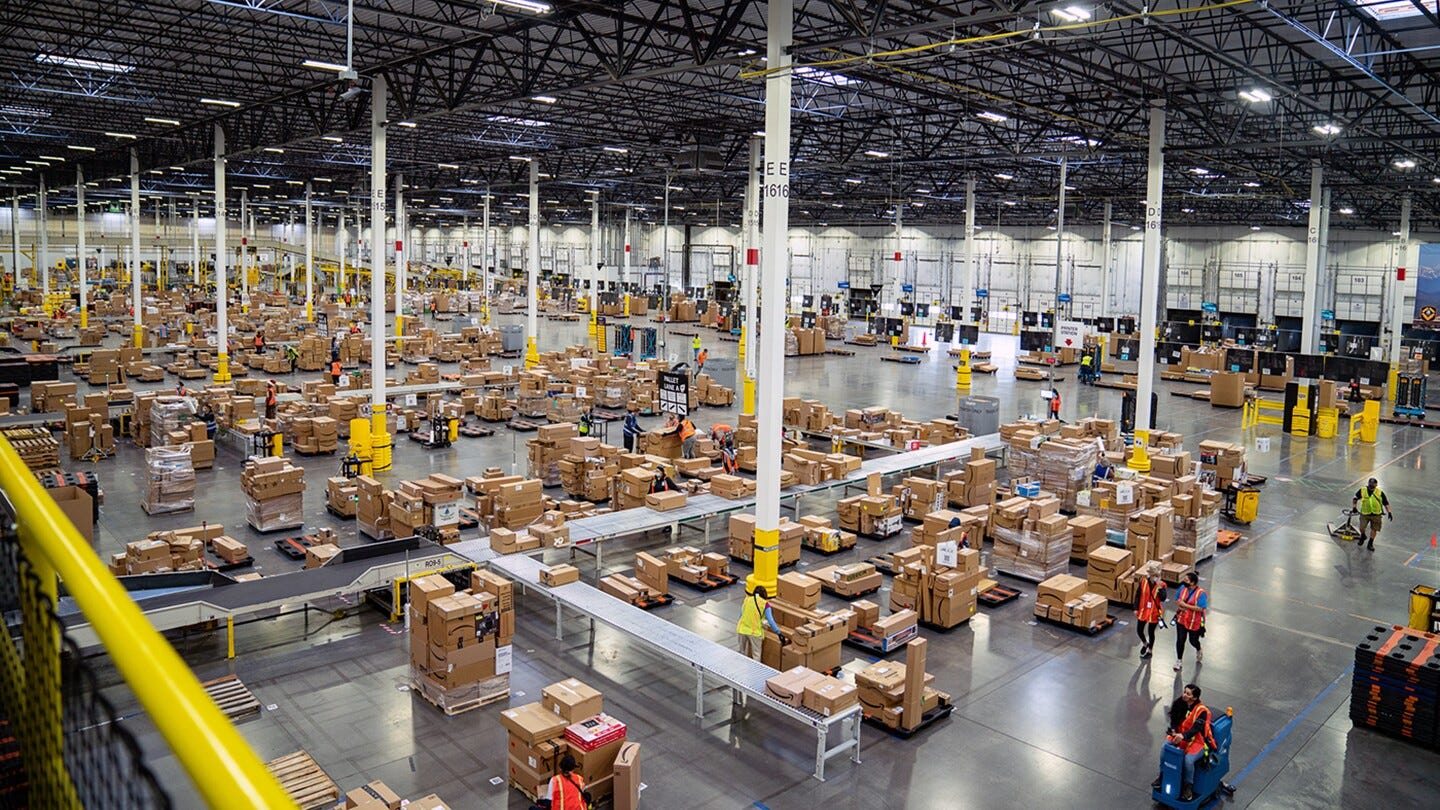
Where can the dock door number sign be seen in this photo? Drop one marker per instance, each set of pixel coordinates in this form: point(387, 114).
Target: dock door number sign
point(674, 393)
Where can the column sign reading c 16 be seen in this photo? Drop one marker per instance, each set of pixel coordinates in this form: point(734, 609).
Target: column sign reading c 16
point(674, 392)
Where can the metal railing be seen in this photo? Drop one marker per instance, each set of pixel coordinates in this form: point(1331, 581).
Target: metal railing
point(72, 752)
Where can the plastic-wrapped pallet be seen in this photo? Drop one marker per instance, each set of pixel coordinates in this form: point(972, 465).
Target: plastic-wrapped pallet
point(1030, 554)
point(274, 494)
point(1064, 467)
point(1199, 533)
point(170, 480)
point(168, 414)
point(792, 343)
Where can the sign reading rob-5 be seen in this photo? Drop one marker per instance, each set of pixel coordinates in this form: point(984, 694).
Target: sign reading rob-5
point(674, 392)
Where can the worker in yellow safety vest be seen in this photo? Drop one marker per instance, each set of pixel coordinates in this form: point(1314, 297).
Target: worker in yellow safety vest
point(1373, 504)
point(751, 626)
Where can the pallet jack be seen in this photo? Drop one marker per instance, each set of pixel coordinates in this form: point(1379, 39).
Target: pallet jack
point(1346, 532)
point(992, 594)
point(442, 434)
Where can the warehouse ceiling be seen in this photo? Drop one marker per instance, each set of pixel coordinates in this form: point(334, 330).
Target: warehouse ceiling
point(898, 103)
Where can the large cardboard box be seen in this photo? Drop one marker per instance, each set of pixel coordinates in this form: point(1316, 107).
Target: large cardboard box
point(532, 724)
point(789, 686)
point(799, 589)
point(572, 700)
point(374, 794)
point(77, 505)
point(627, 777)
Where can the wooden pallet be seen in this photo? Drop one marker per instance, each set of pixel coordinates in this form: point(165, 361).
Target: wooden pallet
point(907, 359)
point(233, 697)
point(840, 352)
point(524, 425)
point(306, 782)
point(1094, 630)
point(1226, 538)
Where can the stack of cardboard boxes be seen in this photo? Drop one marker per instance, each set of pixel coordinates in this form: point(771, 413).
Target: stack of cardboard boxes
point(1221, 461)
point(804, 687)
point(588, 467)
point(821, 534)
point(1110, 572)
point(732, 487)
point(712, 393)
point(311, 435)
point(169, 480)
point(89, 428)
point(570, 719)
point(1065, 599)
point(897, 694)
point(848, 581)
point(513, 504)
point(1032, 539)
point(1087, 533)
point(274, 494)
point(372, 508)
point(432, 501)
point(460, 651)
point(918, 497)
point(551, 530)
point(974, 484)
point(813, 636)
point(651, 580)
point(875, 514)
point(742, 539)
point(940, 583)
point(104, 367)
point(342, 496)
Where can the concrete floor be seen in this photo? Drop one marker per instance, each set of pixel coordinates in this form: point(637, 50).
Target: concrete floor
point(1044, 717)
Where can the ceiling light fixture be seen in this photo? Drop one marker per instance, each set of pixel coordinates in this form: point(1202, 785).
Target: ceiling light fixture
point(406, 124)
point(1255, 95)
point(274, 150)
point(1201, 170)
point(875, 153)
point(1004, 176)
point(853, 181)
point(125, 135)
point(1326, 129)
point(1347, 211)
point(1404, 163)
point(619, 150)
point(80, 148)
point(1254, 227)
point(81, 63)
point(993, 116)
point(813, 74)
point(447, 165)
point(1072, 13)
point(544, 99)
point(220, 102)
point(524, 5)
point(521, 158)
point(519, 122)
point(1251, 184)
point(166, 121)
point(318, 65)
point(1010, 203)
point(332, 138)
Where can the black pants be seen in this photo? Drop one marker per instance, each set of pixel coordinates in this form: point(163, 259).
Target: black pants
point(1146, 632)
point(1181, 634)
point(629, 442)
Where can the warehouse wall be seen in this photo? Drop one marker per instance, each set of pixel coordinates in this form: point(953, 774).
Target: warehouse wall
point(1242, 270)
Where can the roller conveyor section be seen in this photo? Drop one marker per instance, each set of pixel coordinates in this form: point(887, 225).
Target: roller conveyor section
point(706, 658)
point(357, 569)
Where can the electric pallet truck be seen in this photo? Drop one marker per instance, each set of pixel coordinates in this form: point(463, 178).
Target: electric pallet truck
point(1346, 532)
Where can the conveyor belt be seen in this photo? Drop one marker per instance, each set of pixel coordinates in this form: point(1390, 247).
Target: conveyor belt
point(359, 568)
point(705, 657)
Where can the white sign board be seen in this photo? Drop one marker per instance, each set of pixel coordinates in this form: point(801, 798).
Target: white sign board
point(1124, 494)
point(947, 554)
point(503, 659)
point(447, 514)
point(1071, 335)
point(410, 400)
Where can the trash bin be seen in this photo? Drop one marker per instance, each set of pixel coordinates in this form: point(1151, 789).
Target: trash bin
point(979, 415)
point(512, 337)
point(722, 371)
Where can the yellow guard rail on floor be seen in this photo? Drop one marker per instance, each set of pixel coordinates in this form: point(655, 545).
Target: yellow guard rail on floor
point(226, 772)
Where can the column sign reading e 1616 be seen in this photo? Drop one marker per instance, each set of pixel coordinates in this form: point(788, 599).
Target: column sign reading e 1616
point(777, 180)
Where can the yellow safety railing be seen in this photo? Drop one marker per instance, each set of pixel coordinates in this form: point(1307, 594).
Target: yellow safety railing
point(1262, 412)
point(221, 763)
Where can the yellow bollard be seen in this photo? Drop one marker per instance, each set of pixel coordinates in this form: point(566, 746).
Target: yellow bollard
point(222, 368)
point(453, 433)
point(1392, 382)
point(310, 311)
point(1139, 458)
point(230, 637)
point(766, 562)
point(747, 396)
point(277, 445)
point(1327, 420)
point(139, 333)
point(962, 371)
point(360, 443)
point(1300, 421)
point(532, 353)
point(627, 305)
point(379, 440)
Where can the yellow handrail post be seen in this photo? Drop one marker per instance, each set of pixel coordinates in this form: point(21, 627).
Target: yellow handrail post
point(225, 770)
point(229, 637)
point(39, 628)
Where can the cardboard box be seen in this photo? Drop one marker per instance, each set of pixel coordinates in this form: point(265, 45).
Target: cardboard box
point(375, 793)
point(77, 505)
point(799, 589)
point(665, 501)
point(627, 777)
point(830, 696)
point(572, 700)
point(789, 686)
point(555, 575)
point(532, 724)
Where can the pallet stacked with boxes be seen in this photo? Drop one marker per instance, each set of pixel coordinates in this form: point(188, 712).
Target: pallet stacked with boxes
point(742, 539)
point(460, 641)
point(274, 494)
point(821, 534)
point(169, 480)
point(874, 514)
point(570, 719)
point(812, 636)
point(587, 468)
point(372, 508)
point(973, 484)
point(899, 696)
point(650, 582)
point(433, 501)
point(1066, 599)
point(1031, 538)
point(940, 583)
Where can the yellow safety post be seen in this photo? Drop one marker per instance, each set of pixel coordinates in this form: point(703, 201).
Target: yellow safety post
point(309, 310)
point(139, 333)
point(189, 328)
point(395, 601)
point(360, 443)
point(766, 562)
point(1392, 382)
point(747, 395)
point(962, 371)
point(379, 440)
point(222, 368)
point(223, 767)
point(532, 353)
point(627, 305)
point(229, 637)
point(1370, 421)
point(453, 431)
point(1139, 458)
point(277, 444)
point(744, 336)
point(1327, 421)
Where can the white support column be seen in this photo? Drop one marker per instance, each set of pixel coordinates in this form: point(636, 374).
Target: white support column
point(222, 297)
point(899, 258)
point(401, 225)
point(42, 222)
point(1324, 280)
point(380, 444)
point(16, 277)
point(1150, 278)
point(135, 301)
point(486, 260)
point(1398, 281)
point(775, 192)
point(1059, 253)
point(1105, 263)
point(593, 268)
point(80, 249)
point(247, 226)
point(532, 281)
point(1308, 320)
point(465, 253)
point(309, 255)
point(967, 279)
point(751, 277)
point(625, 271)
point(344, 245)
point(195, 261)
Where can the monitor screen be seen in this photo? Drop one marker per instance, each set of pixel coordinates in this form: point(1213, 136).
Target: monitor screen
point(1242, 360)
point(1047, 320)
point(944, 333)
point(1029, 319)
point(922, 310)
point(907, 309)
point(967, 333)
point(1034, 341)
point(1125, 326)
point(1106, 325)
point(807, 301)
point(1270, 362)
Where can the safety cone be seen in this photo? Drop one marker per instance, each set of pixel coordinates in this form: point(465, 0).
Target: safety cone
point(924, 338)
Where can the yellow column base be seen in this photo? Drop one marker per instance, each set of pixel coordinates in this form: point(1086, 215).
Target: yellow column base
point(399, 324)
point(310, 311)
point(360, 443)
point(230, 637)
point(84, 319)
point(1139, 458)
point(1370, 426)
point(532, 353)
point(277, 445)
point(627, 305)
point(962, 372)
point(222, 369)
point(1392, 382)
point(379, 442)
point(139, 334)
point(767, 561)
point(747, 396)
point(744, 333)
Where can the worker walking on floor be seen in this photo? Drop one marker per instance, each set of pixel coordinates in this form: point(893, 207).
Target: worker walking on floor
point(1149, 608)
point(687, 437)
point(631, 428)
point(1373, 504)
point(270, 400)
point(700, 361)
point(695, 348)
point(753, 611)
point(335, 371)
point(1054, 404)
point(1190, 619)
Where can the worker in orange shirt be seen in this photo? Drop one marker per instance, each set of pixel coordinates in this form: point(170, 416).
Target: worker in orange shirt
point(270, 400)
point(335, 371)
point(567, 788)
point(687, 437)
